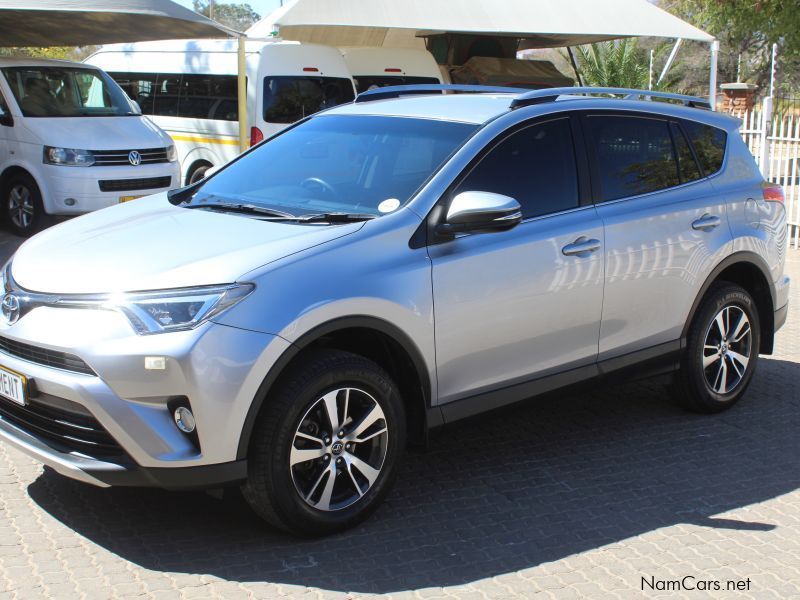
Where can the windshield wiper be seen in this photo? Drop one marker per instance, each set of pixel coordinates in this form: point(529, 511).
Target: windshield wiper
point(239, 207)
point(335, 217)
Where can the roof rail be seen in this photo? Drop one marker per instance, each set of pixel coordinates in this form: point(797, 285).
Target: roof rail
point(552, 94)
point(395, 91)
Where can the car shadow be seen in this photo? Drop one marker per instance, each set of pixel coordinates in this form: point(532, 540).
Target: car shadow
point(508, 491)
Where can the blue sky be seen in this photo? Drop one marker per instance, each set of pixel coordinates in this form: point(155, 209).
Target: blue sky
point(262, 7)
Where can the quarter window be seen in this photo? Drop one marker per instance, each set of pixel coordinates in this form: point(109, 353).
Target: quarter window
point(689, 169)
point(535, 166)
point(289, 99)
point(634, 155)
point(709, 144)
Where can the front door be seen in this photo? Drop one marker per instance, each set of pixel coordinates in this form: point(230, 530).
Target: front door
point(517, 305)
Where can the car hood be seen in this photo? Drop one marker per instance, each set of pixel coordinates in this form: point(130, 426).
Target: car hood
point(98, 133)
point(149, 244)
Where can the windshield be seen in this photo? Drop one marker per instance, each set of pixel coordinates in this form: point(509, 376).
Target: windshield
point(339, 163)
point(66, 92)
point(288, 99)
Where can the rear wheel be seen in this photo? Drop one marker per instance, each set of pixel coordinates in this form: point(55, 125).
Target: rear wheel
point(326, 447)
point(22, 204)
point(198, 174)
point(722, 351)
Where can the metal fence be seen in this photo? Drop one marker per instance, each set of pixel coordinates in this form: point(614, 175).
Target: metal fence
point(775, 144)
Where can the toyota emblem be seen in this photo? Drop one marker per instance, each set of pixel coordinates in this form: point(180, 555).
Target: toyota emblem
point(10, 308)
point(134, 158)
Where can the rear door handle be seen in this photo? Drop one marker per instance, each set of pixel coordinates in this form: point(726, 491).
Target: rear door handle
point(706, 223)
point(583, 246)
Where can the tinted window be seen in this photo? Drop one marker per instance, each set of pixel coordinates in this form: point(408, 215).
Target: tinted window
point(365, 83)
point(634, 155)
point(535, 166)
point(186, 96)
point(709, 144)
point(289, 99)
point(337, 163)
point(687, 165)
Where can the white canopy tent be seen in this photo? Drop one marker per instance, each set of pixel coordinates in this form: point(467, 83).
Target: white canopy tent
point(90, 22)
point(535, 23)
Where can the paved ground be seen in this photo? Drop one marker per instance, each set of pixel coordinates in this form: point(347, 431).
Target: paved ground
point(581, 496)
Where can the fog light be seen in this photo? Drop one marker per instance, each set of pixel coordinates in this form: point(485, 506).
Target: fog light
point(70, 201)
point(184, 419)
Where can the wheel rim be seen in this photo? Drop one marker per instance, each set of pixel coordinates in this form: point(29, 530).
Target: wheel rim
point(727, 349)
point(20, 206)
point(338, 449)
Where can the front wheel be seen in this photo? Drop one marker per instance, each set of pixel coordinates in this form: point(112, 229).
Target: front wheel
point(722, 351)
point(22, 205)
point(326, 446)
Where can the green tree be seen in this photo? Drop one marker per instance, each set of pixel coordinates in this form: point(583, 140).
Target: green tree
point(235, 16)
point(617, 63)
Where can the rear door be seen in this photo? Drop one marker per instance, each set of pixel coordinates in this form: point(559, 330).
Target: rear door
point(514, 306)
point(665, 228)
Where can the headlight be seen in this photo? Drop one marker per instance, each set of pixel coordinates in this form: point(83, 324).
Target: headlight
point(176, 310)
point(69, 157)
point(172, 153)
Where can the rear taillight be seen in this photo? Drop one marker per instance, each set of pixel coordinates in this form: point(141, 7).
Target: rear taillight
point(255, 136)
point(772, 192)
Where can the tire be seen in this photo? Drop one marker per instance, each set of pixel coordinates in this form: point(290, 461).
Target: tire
point(296, 412)
point(22, 205)
point(198, 174)
point(719, 339)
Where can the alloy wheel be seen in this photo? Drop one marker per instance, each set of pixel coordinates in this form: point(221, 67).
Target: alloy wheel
point(727, 349)
point(20, 206)
point(338, 449)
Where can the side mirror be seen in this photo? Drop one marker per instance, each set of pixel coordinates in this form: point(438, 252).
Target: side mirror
point(480, 212)
point(5, 118)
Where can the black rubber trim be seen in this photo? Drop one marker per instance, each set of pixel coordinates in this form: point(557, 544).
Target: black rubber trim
point(177, 478)
point(655, 360)
point(780, 316)
point(364, 322)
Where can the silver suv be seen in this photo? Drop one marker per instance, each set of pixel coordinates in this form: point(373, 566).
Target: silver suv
point(381, 269)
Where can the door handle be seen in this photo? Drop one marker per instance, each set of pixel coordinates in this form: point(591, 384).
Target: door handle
point(583, 246)
point(706, 223)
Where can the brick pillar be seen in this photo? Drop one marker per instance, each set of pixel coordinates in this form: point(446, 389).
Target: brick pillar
point(738, 98)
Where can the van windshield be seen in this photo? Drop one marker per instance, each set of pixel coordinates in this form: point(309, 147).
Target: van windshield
point(338, 163)
point(66, 92)
point(288, 99)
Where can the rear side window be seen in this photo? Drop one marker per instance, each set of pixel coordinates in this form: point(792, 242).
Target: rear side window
point(689, 169)
point(535, 166)
point(289, 99)
point(634, 155)
point(709, 144)
point(364, 83)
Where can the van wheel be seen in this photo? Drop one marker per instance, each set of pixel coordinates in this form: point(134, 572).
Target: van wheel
point(22, 204)
point(327, 444)
point(722, 351)
point(198, 174)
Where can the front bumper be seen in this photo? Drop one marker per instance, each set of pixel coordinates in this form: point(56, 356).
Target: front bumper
point(217, 368)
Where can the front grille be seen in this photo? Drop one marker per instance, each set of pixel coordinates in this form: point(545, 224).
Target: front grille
point(129, 185)
point(68, 426)
point(104, 158)
point(43, 356)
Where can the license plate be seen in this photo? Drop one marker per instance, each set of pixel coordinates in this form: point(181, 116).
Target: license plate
point(128, 198)
point(13, 386)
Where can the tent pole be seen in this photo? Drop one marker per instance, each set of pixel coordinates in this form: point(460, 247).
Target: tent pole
point(712, 76)
point(242, 94)
point(670, 59)
point(574, 65)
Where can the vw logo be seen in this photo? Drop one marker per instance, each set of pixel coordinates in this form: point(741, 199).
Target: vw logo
point(10, 308)
point(337, 448)
point(134, 158)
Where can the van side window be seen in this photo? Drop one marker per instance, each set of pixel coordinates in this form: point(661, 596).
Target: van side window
point(709, 144)
point(288, 99)
point(536, 166)
point(687, 165)
point(634, 155)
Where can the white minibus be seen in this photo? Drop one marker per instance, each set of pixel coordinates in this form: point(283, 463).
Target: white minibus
point(188, 87)
point(378, 67)
point(72, 142)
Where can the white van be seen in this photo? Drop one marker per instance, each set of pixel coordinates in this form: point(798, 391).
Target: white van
point(378, 67)
point(72, 142)
point(188, 87)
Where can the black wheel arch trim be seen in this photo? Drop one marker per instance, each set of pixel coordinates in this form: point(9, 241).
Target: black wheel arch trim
point(743, 256)
point(431, 415)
